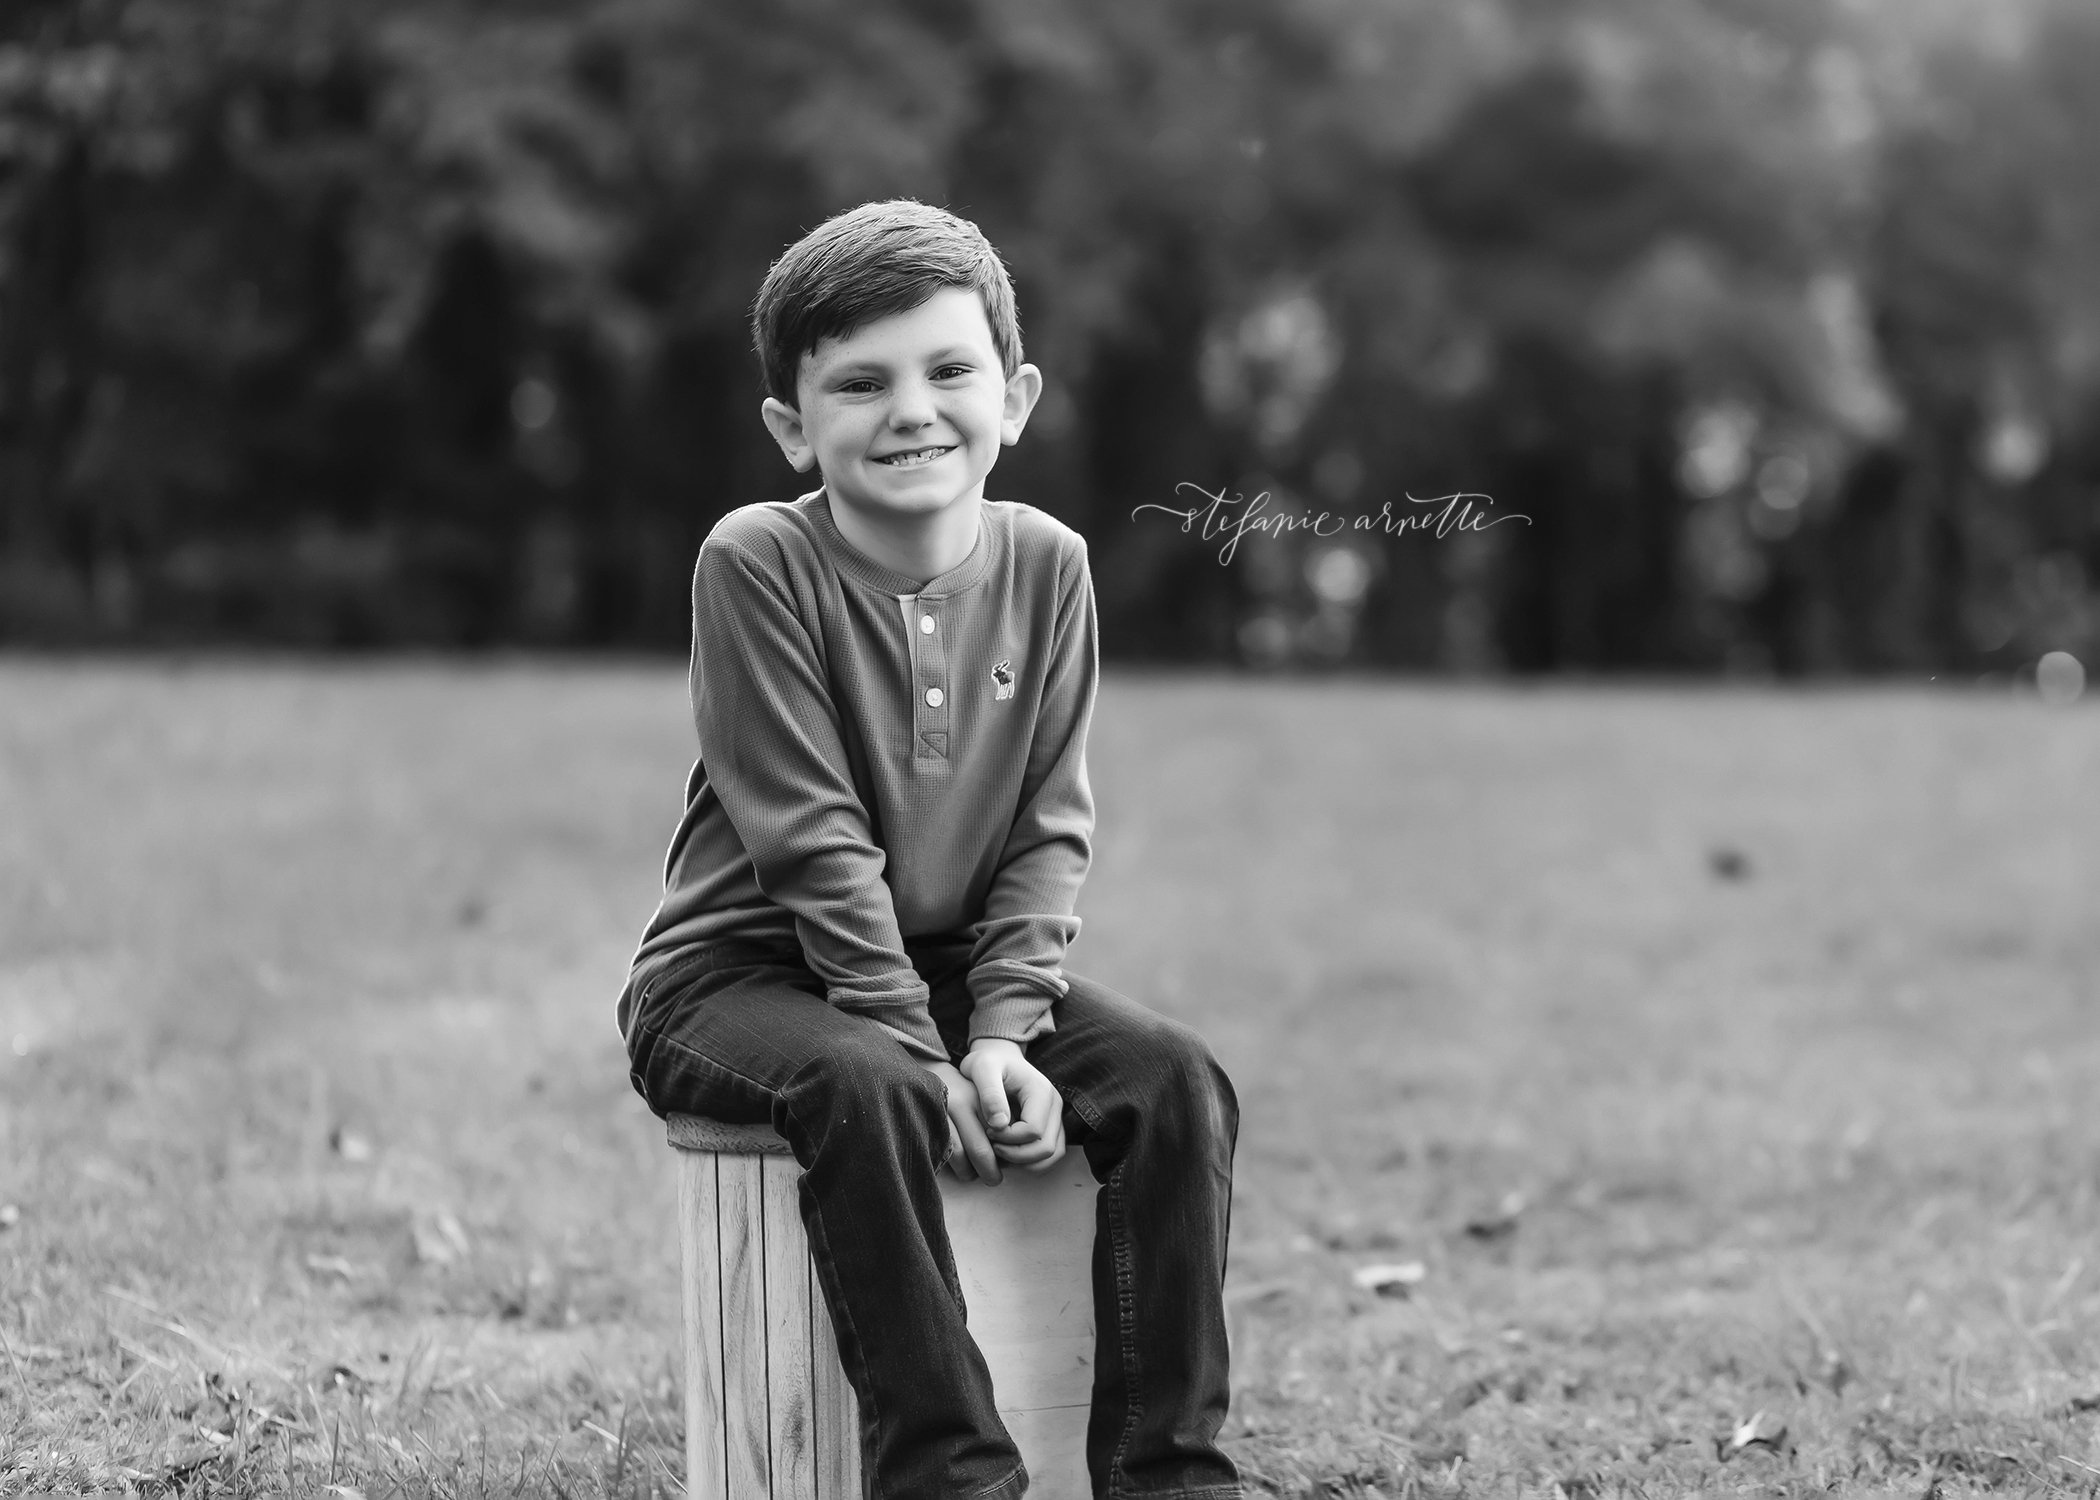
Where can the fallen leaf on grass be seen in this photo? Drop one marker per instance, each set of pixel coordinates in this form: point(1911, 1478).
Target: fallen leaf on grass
point(440, 1239)
point(349, 1145)
point(1390, 1280)
point(331, 1265)
point(10, 1216)
point(1728, 864)
point(1465, 1397)
point(343, 1378)
point(1501, 1221)
point(1440, 1450)
point(184, 1460)
point(1760, 1431)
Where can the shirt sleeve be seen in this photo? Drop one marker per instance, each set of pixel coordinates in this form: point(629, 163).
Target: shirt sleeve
point(776, 757)
point(1016, 968)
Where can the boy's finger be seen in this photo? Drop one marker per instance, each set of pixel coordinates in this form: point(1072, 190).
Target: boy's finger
point(977, 1150)
point(1031, 1154)
point(1032, 1157)
point(1042, 1106)
point(991, 1098)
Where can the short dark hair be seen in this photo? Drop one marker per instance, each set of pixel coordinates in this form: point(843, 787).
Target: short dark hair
point(868, 263)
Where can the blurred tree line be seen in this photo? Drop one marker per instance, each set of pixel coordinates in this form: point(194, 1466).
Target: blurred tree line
point(390, 322)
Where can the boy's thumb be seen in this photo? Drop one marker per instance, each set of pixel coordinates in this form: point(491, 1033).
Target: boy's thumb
point(994, 1101)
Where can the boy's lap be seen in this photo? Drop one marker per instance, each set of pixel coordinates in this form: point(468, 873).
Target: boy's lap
point(724, 1037)
point(724, 1034)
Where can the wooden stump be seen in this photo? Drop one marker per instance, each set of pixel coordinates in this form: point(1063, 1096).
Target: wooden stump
point(767, 1408)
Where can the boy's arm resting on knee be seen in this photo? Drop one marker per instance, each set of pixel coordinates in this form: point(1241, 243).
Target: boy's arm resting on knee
point(776, 757)
point(1016, 968)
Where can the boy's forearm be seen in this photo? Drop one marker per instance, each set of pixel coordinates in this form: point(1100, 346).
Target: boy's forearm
point(1016, 969)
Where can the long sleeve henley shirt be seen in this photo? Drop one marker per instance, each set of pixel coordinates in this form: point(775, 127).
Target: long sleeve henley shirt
point(882, 759)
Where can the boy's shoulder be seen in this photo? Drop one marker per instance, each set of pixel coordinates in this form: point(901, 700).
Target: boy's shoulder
point(1038, 539)
point(765, 529)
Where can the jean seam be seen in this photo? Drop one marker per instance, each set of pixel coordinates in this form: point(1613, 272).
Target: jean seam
point(1126, 1322)
point(1207, 1492)
point(1008, 1478)
point(678, 972)
point(1126, 1296)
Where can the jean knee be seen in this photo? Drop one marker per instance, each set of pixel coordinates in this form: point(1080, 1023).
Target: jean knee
point(1192, 1082)
point(869, 1093)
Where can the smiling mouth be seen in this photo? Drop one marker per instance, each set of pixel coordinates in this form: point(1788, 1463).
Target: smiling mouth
point(915, 458)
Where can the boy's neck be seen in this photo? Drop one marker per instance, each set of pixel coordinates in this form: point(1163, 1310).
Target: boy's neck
point(920, 547)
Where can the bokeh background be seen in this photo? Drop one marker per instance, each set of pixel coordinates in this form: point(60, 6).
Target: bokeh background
point(390, 323)
point(1649, 1086)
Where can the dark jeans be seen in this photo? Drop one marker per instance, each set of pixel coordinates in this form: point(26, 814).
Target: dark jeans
point(741, 1032)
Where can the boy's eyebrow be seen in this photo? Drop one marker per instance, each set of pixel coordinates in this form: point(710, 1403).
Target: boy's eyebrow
point(948, 355)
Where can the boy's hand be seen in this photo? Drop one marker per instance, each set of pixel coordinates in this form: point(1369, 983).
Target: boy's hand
point(1022, 1111)
point(1000, 1108)
point(970, 1154)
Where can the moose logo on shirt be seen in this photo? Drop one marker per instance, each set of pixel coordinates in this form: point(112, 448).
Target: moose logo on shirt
point(1002, 679)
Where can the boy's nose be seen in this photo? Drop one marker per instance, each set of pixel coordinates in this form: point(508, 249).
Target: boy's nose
point(911, 406)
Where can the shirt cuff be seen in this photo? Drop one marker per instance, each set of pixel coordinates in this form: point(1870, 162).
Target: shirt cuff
point(903, 1016)
point(1011, 1000)
point(916, 1045)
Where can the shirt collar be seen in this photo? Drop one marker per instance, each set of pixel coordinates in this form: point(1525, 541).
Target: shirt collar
point(857, 565)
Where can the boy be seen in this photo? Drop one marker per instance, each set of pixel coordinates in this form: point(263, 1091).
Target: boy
point(868, 900)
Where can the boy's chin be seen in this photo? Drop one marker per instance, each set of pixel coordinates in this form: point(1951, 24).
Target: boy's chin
point(893, 499)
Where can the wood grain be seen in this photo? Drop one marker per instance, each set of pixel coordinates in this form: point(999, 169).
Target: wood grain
point(742, 1198)
point(789, 1376)
point(706, 1473)
point(835, 1409)
point(1024, 1251)
point(768, 1409)
point(695, 1133)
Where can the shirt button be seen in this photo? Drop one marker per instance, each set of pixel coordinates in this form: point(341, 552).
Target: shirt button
point(933, 697)
point(926, 624)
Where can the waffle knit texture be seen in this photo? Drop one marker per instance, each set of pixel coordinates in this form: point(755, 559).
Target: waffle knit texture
point(864, 777)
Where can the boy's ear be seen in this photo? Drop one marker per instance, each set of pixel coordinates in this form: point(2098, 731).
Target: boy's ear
point(785, 423)
point(1023, 389)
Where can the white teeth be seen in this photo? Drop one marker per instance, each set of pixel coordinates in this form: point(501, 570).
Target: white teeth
point(913, 459)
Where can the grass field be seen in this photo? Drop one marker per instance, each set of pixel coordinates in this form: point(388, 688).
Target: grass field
point(1726, 1060)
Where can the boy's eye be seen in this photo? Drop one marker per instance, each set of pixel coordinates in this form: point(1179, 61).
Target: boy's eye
point(951, 372)
point(857, 387)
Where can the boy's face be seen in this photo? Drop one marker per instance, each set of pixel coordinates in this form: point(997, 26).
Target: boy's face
point(904, 416)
